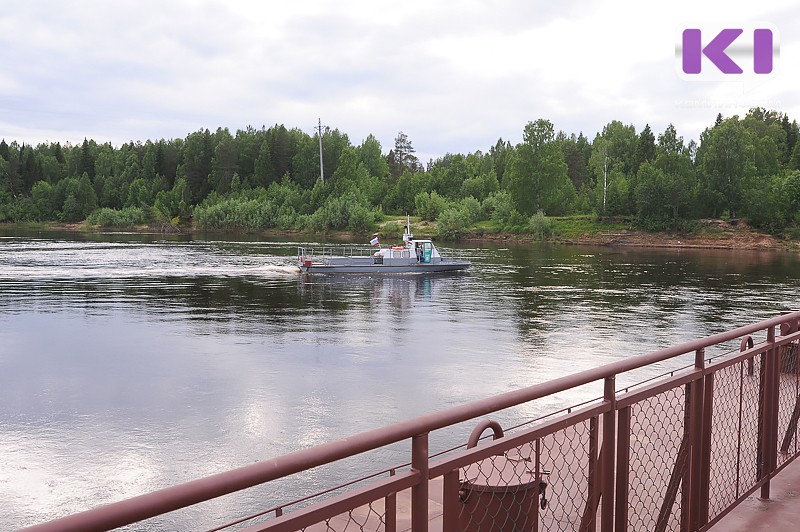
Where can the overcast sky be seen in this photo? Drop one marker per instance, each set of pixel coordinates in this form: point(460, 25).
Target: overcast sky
point(454, 76)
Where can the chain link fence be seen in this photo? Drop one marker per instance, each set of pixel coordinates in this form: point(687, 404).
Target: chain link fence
point(657, 445)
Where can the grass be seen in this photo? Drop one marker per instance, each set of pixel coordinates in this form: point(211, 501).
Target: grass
point(576, 226)
point(566, 227)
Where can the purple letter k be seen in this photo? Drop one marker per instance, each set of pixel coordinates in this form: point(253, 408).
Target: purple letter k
point(715, 51)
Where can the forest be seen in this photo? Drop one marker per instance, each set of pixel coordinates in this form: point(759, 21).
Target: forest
point(269, 178)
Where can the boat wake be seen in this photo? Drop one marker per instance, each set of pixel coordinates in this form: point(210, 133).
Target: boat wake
point(284, 270)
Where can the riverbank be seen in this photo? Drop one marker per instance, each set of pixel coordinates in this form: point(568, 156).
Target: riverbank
point(709, 234)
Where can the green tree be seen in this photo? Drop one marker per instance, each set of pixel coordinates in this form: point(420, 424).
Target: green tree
point(30, 171)
point(334, 142)
point(794, 158)
point(264, 171)
point(645, 148)
point(281, 153)
point(172, 205)
point(538, 179)
point(168, 158)
point(140, 194)
point(500, 155)
point(43, 197)
point(371, 156)
point(87, 157)
point(601, 165)
point(577, 151)
point(5, 153)
point(650, 194)
point(223, 163)
point(104, 163)
point(52, 171)
point(197, 164)
point(428, 206)
point(79, 198)
point(9, 172)
point(678, 183)
point(402, 158)
point(248, 145)
point(480, 186)
point(149, 161)
point(305, 163)
point(792, 131)
point(448, 174)
point(617, 193)
point(727, 158)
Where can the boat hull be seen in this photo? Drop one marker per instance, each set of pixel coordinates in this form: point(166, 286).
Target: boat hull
point(387, 267)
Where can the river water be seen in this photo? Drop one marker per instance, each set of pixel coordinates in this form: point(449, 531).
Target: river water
point(133, 362)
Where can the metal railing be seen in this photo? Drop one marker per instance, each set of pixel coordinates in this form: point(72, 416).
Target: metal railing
point(677, 452)
point(325, 254)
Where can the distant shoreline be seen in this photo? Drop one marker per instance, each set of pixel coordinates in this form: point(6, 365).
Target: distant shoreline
point(725, 236)
point(634, 238)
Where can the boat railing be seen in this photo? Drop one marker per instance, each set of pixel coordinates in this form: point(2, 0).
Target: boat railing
point(324, 255)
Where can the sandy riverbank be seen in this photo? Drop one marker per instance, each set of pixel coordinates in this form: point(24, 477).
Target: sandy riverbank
point(713, 234)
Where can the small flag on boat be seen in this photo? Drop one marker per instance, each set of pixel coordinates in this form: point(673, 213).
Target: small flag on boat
point(374, 241)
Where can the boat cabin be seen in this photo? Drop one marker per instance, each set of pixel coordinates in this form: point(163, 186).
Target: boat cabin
point(422, 250)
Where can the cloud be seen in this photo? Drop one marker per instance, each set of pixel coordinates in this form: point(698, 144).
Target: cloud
point(455, 76)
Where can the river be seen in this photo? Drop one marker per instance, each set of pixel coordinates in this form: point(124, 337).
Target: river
point(133, 362)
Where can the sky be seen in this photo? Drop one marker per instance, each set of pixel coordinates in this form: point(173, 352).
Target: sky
point(453, 76)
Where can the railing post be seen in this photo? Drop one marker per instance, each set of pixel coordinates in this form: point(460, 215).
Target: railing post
point(747, 343)
point(705, 452)
point(770, 422)
point(419, 492)
point(537, 467)
point(390, 514)
point(593, 487)
point(623, 468)
point(687, 438)
point(608, 465)
point(696, 443)
point(451, 506)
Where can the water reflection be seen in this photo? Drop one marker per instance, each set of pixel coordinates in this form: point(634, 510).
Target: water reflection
point(179, 357)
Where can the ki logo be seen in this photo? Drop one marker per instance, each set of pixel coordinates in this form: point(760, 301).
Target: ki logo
point(746, 54)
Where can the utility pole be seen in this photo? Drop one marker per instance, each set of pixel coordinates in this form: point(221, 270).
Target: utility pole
point(605, 175)
point(319, 129)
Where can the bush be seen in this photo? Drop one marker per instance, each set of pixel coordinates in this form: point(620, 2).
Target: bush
point(345, 212)
point(127, 217)
point(517, 223)
point(236, 215)
point(22, 210)
point(428, 206)
point(287, 217)
point(541, 226)
point(393, 231)
point(472, 208)
point(499, 206)
point(452, 223)
point(79, 198)
point(360, 220)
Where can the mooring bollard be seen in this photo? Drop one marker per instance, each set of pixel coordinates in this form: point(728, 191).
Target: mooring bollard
point(500, 492)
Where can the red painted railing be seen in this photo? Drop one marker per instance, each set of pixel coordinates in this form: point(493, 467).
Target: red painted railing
point(674, 453)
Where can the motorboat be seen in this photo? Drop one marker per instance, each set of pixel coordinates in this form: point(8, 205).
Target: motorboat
point(413, 256)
